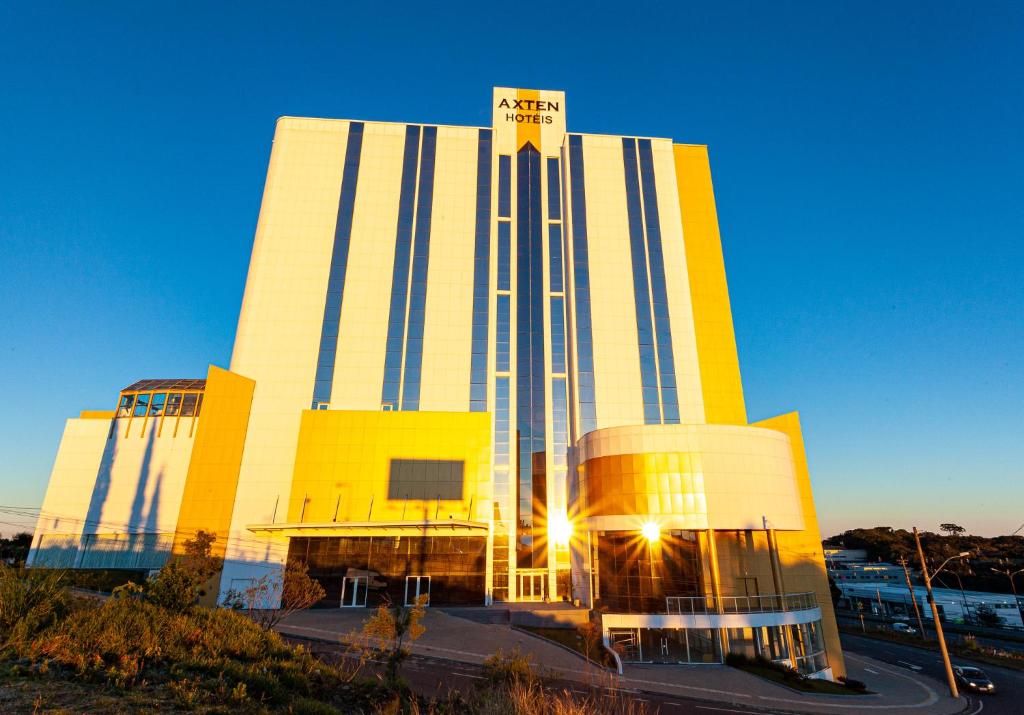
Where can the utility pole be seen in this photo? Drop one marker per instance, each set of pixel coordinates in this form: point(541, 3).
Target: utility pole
point(913, 597)
point(953, 692)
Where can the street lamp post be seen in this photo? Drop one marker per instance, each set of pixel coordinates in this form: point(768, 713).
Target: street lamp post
point(953, 692)
point(1013, 587)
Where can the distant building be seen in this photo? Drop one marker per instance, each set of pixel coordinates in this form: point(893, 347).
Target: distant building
point(955, 606)
point(476, 365)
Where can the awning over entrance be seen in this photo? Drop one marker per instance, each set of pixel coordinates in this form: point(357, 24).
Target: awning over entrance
point(429, 527)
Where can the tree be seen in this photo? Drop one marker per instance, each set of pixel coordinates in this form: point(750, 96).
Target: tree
point(274, 597)
point(951, 529)
point(387, 631)
point(178, 585)
point(14, 551)
point(987, 616)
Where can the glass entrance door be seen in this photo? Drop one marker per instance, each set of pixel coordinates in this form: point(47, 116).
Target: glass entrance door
point(531, 584)
point(416, 586)
point(353, 591)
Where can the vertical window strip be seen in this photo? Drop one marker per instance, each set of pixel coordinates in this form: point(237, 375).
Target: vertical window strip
point(420, 262)
point(504, 186)
point(581, 276)
point(504, 255)
point(481, 275)
point(641, 292)
point(324, 380)
point(559, 422)
point(504, 334)
point(557, 335)
point(400, 272)
point(530, 382)
point(554, 190)
point(666, 358)
point(502, 501)
point(555, 252)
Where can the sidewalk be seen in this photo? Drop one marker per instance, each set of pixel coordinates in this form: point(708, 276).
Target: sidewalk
point(468, 641)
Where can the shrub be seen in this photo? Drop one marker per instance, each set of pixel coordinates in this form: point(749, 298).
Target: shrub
point(29, 602)
point(502, 669)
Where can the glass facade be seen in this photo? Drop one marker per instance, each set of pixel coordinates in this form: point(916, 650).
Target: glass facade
point(455, 565)
point(339, 264)
point(634, 574)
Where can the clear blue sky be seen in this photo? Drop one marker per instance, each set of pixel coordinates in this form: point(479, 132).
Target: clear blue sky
point(868, 162)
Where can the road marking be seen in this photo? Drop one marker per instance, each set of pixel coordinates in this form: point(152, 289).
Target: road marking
point(912, 666)
point(722, 710)
point(873, 672)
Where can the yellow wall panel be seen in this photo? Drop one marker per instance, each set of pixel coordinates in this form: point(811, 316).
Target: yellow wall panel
point(343, 464)
point(716, 342)
point(212, 481)
point(800, 552)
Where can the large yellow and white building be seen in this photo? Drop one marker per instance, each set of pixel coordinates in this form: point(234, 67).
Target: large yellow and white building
point(484, 364)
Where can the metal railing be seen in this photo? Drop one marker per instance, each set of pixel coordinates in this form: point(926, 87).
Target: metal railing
point(707, 605)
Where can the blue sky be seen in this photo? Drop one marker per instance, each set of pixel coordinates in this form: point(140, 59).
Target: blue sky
point(868, 163)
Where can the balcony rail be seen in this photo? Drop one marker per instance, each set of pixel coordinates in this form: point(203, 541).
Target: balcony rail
point(706, 605)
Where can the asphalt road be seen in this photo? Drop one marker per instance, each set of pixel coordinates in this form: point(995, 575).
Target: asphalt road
point(1008, 700)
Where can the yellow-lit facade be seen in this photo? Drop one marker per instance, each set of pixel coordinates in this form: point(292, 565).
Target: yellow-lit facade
point(481, 364)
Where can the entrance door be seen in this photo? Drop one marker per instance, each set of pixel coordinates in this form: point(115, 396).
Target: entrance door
point(416, 586)
point(353, 591)
point(531, 585)
point(626, 642)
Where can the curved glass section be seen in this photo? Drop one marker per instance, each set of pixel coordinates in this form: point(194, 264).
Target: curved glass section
point(635, 574)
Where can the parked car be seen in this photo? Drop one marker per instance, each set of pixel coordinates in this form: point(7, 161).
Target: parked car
point(904, 628)
point(974, 679)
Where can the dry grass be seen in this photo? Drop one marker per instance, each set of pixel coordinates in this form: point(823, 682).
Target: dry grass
point(59, 654)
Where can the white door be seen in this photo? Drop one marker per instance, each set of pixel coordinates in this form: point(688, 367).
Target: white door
point(531, 586)
point(416, 586)
point(353, 591)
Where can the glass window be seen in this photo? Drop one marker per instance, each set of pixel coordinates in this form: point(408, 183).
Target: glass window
point(141, 405)
point(173, 404)
point(124, 409)
point(504, 186)
point(188, 404)
point(156, 405)
point(554, 190)
point(504, 255)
